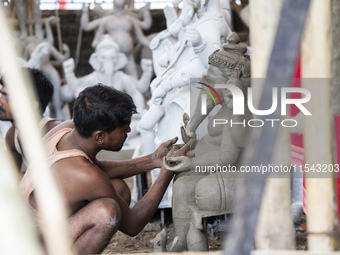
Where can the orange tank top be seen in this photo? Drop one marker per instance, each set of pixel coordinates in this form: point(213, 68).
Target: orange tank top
point(27, 185)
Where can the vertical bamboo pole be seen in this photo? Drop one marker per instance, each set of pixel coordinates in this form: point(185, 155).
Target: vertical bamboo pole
point(335, 88)
point(60, 40)
point(16, 224)
point(29, 21)
point(271, 234)
point(264, 19)
point(317, 132)
point(48, 197)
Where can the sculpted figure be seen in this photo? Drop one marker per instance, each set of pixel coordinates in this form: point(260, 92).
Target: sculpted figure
point(42, 55)
point(42, 58)
point(123, 28)
point(197, 195)
point(29, 43)
point(227, 13)
point(107, 61)
point(129, 9)
point(21, 15)
point(180, 53)
point(175, 63)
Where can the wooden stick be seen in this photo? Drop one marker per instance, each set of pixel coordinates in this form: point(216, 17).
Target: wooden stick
point(264, 19)
point(49, 200)
point(60, 40)
point(270, 233)
point(15, 221)
point(318, 127)
point(259, 148)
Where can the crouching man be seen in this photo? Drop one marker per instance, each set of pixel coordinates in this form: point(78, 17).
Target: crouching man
point(97, 197)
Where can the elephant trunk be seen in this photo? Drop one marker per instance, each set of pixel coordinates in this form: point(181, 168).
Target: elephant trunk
point(108, 70)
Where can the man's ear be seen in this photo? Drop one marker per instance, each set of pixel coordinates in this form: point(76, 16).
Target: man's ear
point(99, 137)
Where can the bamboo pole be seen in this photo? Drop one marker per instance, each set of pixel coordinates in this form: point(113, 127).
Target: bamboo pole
point(60, 40)
point(16, 224)
point(270, 232)
point(318, 134)
point(29, 10)
point(335, 87)
point(48, 198)
point(264, 18)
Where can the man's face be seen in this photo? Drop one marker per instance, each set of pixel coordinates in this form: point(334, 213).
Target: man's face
point(117, 137)
point(5, 109)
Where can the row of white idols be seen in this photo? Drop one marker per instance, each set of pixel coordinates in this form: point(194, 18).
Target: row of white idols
point(196, 46)
point(179, 53)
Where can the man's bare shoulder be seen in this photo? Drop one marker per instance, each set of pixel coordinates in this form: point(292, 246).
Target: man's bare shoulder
point(80, 168)
point(83, 179)
point(51, 124)
point(10, 136)
point(10, 144)
point(62, 125)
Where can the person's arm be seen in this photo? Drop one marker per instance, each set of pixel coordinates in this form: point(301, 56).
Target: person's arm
point(147, 20)
point(57, 55)
point(139, 34)
point(68, 91)
point(11, 147)
point(100, 32)
point(204, 43)
point(127, 168)
point(134, 219)
point(147, 73)
point(85, 21)
point(130, 87)
point(49, 33)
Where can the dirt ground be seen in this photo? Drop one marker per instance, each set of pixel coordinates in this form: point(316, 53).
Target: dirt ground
point(121, 243)
point(124, 244)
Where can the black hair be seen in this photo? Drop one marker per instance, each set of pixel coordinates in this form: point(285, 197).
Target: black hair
point(101, 107)
point(42, 84)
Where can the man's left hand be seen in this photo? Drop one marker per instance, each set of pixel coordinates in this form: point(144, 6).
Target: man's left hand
point(161, 151)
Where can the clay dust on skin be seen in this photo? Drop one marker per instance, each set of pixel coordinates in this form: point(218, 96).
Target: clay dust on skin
point(112, 222)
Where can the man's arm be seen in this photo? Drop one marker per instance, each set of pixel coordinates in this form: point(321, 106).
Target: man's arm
point(127, 168)
point(97, 185)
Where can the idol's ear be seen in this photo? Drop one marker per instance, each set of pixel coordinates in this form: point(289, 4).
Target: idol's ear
point(121, 61)
point(94, 62)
